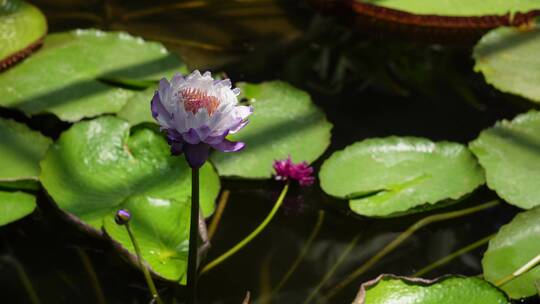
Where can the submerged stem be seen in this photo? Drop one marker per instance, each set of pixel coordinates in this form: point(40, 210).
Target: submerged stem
point(251, 236)
point(453, 255)
point(24, 278)
point(219, 212)
point(143, 267)
point(100, 297)
point(193, 238)
point(523, 269)
point(303, 252)
point(402, 237)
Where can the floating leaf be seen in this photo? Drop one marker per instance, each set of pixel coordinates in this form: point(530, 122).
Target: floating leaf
point(458, 7)
point(508, 58)
point(22, 27)
point(15, 205)
point(21, 149)
point(510, 155)
point(284, 122)
point(389, 289)
point(63, 77)
point(395, 175)
point(97, 166)
point(513, 246)
point(137, 109)
point(161, 228)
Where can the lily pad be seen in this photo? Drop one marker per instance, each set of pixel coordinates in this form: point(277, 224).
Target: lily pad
point(284, 122)
point(161, 228)
point(97, 166)
point(510, 155)
point(137, 109)
point(508, 59)
point(513, 246)
point(15, 205)
point(22, 27)
point(21, 149)
point(458, 7)
point(389, 289)
point(64, 77)
point(396, 175)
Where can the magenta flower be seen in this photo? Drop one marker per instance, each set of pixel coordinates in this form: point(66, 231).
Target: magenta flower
point(286, 170)
point(197, 113)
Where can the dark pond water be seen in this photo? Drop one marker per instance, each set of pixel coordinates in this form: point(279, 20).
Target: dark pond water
point(368, 86)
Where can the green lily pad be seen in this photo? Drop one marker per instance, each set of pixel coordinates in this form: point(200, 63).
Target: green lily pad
point(97, 166)
point(389, 289)
point(21, 149)
point(284, 122)
point(396, 175)
point(15, 205)
point(458, 8)
point(137, 109)
point(22, 26)
point(507, 57)
point(513, 246)
point(63, 78)
point(161, 228)
point(510, 154)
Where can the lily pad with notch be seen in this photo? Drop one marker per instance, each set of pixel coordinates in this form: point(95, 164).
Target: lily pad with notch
point(510, 155)
point(284, 122)
point(394, 176)
point(390, 289)
point(76, 74)
point(516, 243)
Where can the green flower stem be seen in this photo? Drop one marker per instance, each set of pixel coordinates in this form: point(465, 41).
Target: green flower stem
point(193, 238)
point(219, 212)
point(251, 236)
point(452, 256)
point(303, 252)
point(100, 297)
point(402, 237)
point(332, 270)
point(528, 266)
point(143, 267)
point(24, 278)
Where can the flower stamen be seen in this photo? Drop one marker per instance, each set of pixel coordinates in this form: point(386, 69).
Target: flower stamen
point(196, 99)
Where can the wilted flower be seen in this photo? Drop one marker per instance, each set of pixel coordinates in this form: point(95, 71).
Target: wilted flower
point(198, 112)
point(287, 170)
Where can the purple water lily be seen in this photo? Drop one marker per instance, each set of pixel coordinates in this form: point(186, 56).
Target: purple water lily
point(197, 113)
point(287, 170)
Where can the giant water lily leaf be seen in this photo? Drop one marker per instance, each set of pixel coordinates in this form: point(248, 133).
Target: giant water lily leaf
point(137, 109)
point(21, 149)
point(63, 77)
point(510, 155)
point(161, 228)
point(15, 205)
point(389, 289)
point(22, 27)
point(396, 175)
point(458, 7)
point(97, 166)
point(513, 246)
point(508, 58)
point(284, 122)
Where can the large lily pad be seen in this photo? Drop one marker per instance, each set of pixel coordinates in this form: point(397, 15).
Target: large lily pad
point(15, 205)
point(97, 166)
point(389, 289)
point(395, 175)
point(63, 77)
point(508, 58)
point(284, 122)
point(458, 7)
point(22, 27)
point(21, 149)
point(161, 228)
point(510, 154)
point(515, 244)
point(137, 109)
